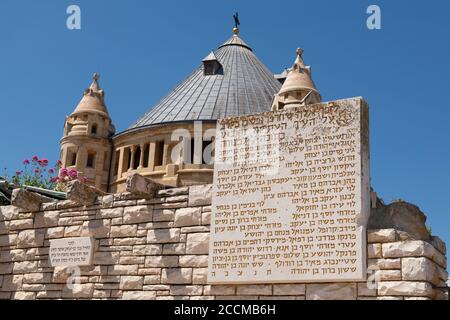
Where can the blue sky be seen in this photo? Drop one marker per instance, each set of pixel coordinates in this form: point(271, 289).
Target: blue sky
point(142, 49)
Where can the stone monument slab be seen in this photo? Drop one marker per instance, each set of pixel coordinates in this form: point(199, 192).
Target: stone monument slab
point(70, 252)
point(291, 195)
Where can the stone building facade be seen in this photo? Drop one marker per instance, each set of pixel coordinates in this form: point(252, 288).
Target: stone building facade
point(158, 249)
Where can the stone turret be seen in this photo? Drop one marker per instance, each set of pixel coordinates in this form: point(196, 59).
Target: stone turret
point(86, 144)
point(298, 89)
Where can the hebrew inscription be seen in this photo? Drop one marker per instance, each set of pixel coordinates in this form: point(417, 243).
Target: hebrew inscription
point(70, 252)
point(291, 195)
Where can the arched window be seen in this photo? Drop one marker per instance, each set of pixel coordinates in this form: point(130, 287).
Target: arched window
point(94, 128)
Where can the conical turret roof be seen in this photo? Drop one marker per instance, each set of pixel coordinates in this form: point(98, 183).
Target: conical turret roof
point(243, 86)
point(93, 99)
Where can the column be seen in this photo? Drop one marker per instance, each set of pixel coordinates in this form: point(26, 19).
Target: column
point(121, 162)
point(141, 159)
point(133, 153)
point(151, 156)
point(198, 143)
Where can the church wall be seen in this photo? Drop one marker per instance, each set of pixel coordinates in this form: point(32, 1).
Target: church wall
point(158, 249)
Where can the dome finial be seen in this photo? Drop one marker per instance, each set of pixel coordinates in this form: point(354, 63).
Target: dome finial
point(96, 76)
point(237, 23)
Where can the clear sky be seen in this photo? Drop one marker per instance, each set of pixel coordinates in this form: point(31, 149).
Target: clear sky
point(142, 49)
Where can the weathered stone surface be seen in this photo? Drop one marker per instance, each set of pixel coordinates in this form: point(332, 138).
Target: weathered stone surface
point(131, 282)
point(389, 275)
point(163, 215)
point(30, 238)
point(25, 266)
point(6, 268)
point(385, 263)
point(82, 193)
point(420, 269)
point(364, 291)
point(106, 258)
point(123, 231)
point(173, 192)
point(21, 224)
point(37, 278)
point(381, 235)
point(81, 291)
point(174, 248)
point(139, 295)
point(193, 261)
point(141, 186)
point(8, 240)
point(54, 233)
point(197, 243)
point(8, 213)
point(289, 289)
point(96, 228)
point(335, 291)
point(176, 275)
point(402, 216)
point(161, 261)
point(405, 288)
point(199, 276)
point(413, 249)
point(46, 219)
point(186, 290)
point(112, 212)
point(122, 270)
point(28, 200)
point(254, 289)
point(153, 279)
point(200, 195)
point(206, 218)
point(163, 236)
point(374, 250)
point(439, 244)
point(219, 290)
point(188, 217)
point(24, 295)
point(137, 214)
point(148, 249)
point(72, 231)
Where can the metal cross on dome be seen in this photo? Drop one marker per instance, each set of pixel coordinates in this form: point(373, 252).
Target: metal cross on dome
point(236, 20)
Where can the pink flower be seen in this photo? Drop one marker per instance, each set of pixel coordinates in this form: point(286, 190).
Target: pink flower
point(54, 180)
point(63, 172)
point(18, 173)
point(51, 171)
point(26, 162)
point(37, 170)
point(73, 173)
point(59, 163)
point(43, 162)
point(35, 158)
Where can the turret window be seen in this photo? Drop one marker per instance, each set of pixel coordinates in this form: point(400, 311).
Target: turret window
point(94, 128)
point(73, 159)
point(90, 160)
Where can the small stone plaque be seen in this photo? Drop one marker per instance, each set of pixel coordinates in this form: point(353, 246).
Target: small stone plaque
point(70, 252)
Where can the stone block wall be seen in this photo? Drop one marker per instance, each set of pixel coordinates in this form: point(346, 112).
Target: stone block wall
point(158, 249)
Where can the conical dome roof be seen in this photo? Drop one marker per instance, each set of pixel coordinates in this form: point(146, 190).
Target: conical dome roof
point(298, 77)
point(93, 99)
point(242, 86)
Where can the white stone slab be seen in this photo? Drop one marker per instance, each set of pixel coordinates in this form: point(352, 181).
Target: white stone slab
point(70, 252)
point(291, 195)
